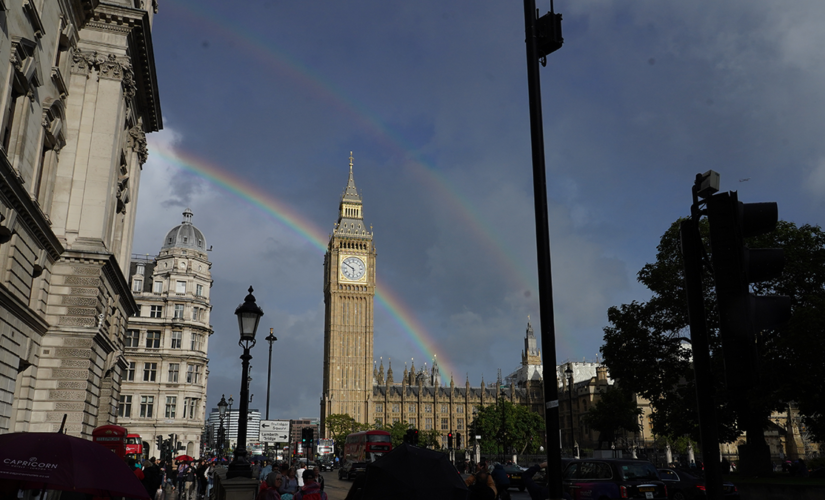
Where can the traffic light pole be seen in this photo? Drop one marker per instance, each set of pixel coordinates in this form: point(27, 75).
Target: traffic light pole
point(548, 333)
point(705, 395)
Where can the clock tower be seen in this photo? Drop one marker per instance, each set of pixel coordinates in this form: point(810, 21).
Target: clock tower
point(349, 288)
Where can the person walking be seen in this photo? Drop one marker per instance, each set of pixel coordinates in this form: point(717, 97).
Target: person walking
point(200, 474)
point(481, 484)
point(189, 483)
point(311, 489)
point(272, 485)
point(537, 491)
point(502, 481)
point(300, 473)
point(289, 485)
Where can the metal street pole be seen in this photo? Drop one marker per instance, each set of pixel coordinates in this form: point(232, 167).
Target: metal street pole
point(271, 338)
point(550, 40)
point(700, 349)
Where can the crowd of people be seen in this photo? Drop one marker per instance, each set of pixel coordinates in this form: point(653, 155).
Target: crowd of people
point(183, 480)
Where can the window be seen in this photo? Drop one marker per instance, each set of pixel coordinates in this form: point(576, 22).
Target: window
point(445, 409)
point(158, 287)
point(193, 407)
point(147, 406)
point(150, 371)
point(176, 339)
point(412, 423)
point(174, 370)
point(396, 407)
point(395, 420)
point(411, 408)
point(196, 313)
point(137, 285)
point(459, 409)
point(130, 372)
point(444, 441)
point(379, 408)
point(428, 408)
point(193, 374)
point(186, 407)
point(428, 424)
point(379, 421)
point(459, 424)
point(124, 409)
point(180, 287)
point(132, 338)
point(197, 342)
point(199, 290)
point(153, 340)
point(445, 424)
point(140, 269)
point(178, 311)
point(156, 311)
point(171, 404)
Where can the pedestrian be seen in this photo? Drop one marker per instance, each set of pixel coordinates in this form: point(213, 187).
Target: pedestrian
point(289, 485)
point(537, 491)
point(210, 473)
point(181, 477)
point(265, 470)
point(502, 481)
point(272, 485)
point(189, 483)
point(311, 489)
point(300, 473)
point(481, 484)
point(151, 477)
point(200, 473)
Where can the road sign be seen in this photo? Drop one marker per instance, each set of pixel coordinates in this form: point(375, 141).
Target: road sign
point(274, 431)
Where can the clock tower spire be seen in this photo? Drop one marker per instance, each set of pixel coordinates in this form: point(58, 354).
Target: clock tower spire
point(349, 289)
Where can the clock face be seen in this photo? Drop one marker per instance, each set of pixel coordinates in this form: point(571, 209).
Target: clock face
point(353, 268)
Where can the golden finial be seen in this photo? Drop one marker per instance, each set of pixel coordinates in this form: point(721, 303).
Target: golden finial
point(350, 162)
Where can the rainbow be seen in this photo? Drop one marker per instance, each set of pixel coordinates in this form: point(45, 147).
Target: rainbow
point(309, 231)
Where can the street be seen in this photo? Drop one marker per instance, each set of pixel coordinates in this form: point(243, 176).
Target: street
point(337, 489)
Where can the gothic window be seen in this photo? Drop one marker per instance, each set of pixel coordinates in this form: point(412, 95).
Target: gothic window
point(412, 422)
point(428, 408)
point(132, 338)
point(445, 424)
point(411, 408)
point(396, 408)
point(379, 421)
point(174, 370)
point(147, 406)
point(395, 420)
point(171, 404)
point(124, 408)
point(150, 371)
point(459, 424)
point(379, 408)
point(428, 424)
point(445, 409)
point(459, 409)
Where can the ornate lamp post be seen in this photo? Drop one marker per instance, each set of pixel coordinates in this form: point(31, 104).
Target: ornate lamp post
point(569, 373)
point(271, 339)
point(221, 431)
point(249, 314)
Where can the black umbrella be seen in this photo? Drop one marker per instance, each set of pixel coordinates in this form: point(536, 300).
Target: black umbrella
point(413, 473)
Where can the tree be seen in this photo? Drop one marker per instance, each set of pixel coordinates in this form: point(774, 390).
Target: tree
point(397, 432)
point(615, 411)
point(339, 426)
point(643, 347)
point(505, 424)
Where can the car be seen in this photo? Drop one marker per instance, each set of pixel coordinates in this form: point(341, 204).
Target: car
point(688, 484)
point(324, 465)
point(609, 478)
point(514, 473)
point(351, 469)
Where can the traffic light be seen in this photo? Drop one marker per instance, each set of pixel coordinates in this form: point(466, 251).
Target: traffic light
point(450, 440)
point(159, 441)
point(304, 435)
point(411, 437)
point(310, 435)
point(743, 315)
point(458, 440)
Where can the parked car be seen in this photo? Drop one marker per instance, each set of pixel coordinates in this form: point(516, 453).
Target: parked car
point(613, 478)
point(686, 485)
point(324, 465)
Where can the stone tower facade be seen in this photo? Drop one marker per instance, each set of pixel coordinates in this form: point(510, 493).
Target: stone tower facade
point(164, 386)
point(349, 289)
point(78, 93)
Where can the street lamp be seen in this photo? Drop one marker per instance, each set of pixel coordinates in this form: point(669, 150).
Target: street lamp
point(271, 339)
point(569, 373)
point(221, 431)
point(249, 314)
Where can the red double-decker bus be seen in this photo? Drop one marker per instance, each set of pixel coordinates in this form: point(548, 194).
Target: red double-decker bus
point(134, 447)
point(361, 448)
point(112, 437)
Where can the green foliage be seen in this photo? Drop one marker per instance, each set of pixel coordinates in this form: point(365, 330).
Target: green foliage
point(397, 432)
point(615, 411)
point(507, 424)
point(430, 439)
point(642, 349)
point(341, 425)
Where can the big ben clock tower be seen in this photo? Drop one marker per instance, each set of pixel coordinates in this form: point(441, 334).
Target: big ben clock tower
point(349, 288)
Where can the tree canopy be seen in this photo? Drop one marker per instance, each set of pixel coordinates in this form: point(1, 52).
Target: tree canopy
point(615, 411)
point(643, 347)
point(341, 425)
point(514, 425)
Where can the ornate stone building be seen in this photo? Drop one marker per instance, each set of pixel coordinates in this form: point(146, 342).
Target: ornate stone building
point(164, 385)
point(349, 288)
point(78, 92)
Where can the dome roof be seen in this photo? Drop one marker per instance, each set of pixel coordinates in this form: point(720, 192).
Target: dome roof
point(185, 235)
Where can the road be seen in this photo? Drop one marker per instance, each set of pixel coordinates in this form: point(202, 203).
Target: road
point(337, 489)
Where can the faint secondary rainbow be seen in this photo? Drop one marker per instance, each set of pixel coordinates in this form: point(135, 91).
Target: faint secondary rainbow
point(284, 213)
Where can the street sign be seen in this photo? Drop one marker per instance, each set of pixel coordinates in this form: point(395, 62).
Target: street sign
point(274, 431)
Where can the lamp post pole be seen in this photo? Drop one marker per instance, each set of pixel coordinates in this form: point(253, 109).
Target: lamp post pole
point(569, 373)
point(271, 339)
point(249, 314)
point(221, 430)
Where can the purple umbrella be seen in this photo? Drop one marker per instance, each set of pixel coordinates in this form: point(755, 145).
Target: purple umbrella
point(60, 462)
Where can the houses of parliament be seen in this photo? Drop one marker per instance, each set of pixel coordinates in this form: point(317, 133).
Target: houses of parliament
point(352, 383)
